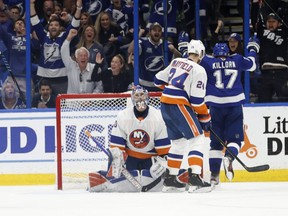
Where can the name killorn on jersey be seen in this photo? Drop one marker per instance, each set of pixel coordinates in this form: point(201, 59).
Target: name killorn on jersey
point(226, 64)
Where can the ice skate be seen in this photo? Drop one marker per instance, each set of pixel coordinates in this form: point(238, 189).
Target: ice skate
point(214, 180)
point(227, 163)
point(172, 184)
point(197, 184)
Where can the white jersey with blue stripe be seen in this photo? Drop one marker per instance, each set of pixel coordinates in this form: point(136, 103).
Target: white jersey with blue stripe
point(224, 86)
point(185, 83)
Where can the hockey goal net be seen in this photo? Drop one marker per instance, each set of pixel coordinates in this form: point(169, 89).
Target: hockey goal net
point(75, 113)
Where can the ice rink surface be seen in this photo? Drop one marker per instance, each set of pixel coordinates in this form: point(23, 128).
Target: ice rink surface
point(231, 199)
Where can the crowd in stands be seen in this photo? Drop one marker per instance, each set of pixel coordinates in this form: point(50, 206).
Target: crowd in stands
point(81, 46)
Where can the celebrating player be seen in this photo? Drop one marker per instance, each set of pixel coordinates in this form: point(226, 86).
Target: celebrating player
point(225, 97)
point(141, 133)
point(185, 114)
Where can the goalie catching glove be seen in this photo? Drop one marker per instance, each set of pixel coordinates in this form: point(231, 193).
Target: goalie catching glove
point(117, 163)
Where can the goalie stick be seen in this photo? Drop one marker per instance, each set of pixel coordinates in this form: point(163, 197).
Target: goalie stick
point(124, 171)
point(249, 169)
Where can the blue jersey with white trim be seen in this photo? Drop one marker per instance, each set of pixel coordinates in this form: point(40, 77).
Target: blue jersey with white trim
point(152, 60)
point(224, 87)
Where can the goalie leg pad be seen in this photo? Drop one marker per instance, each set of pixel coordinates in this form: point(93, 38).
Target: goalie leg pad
point(100, 183)
point(146, 179)
point(118, 161)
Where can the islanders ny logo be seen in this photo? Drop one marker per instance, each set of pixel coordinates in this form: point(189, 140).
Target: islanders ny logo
point(139, 138)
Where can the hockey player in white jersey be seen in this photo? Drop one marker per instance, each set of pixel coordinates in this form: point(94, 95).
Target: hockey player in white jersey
point(140, 133)
point(186, 116)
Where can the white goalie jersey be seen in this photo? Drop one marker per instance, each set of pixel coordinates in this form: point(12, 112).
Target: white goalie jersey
point(140, 138)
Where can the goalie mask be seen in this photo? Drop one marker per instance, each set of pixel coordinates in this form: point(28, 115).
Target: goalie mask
point(140, 98)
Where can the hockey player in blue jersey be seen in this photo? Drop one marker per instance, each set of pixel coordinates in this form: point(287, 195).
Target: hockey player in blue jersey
point(225, 97)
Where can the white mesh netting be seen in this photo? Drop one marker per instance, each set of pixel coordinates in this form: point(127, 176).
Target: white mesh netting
point(77, 155)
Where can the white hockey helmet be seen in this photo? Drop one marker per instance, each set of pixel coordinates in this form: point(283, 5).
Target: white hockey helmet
point(140, 98)
point(196, 47)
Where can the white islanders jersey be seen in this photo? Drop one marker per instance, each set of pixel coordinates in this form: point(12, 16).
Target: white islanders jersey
point(140, 138)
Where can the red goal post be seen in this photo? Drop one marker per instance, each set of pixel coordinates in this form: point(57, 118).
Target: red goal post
point(76, 154)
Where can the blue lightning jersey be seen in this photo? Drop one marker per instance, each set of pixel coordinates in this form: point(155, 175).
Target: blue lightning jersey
point(152, 61)
point(224, 87)
point(121, 16)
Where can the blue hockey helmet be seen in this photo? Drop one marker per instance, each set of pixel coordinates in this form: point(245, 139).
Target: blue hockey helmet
point(221, 49)
point(140, 97)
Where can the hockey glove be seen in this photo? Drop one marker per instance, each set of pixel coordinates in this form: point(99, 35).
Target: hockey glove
point(205, 121)
point(183, 40)
point(158, 166)
point(253, 44)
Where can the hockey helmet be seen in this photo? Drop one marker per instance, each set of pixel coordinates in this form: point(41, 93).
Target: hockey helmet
point(220, 49)
point(140, 97)
point(196, 47)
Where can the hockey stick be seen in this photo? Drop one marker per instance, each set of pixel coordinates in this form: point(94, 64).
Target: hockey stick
point(249, 169)
point(13, 77)
point(124, 171)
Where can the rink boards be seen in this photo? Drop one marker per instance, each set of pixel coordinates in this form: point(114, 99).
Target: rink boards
point(28, 140)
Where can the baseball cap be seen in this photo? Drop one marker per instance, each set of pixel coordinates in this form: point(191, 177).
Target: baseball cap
point(273, 16)
point(235, 36)
point(155, 24)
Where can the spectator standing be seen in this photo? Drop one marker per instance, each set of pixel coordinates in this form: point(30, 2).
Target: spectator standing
point(88, 40)
point(80, 70)
point(5, 20)
point(91, 7)
point(47, 11)
point(108, 34)
point(157, 12)
point(15, 12)
point(143, 11)
point(151, 55)
point(51, 65)
point(121, 13)
point(273, 58)
point(116, 78)
point(10, 96)
point(17, 53)
point(85, 20)
point(45, 98)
